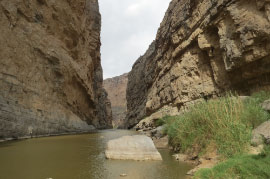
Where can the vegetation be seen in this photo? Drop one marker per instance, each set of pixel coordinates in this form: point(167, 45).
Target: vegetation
point(245, 166)
point(253, 113)
point(161, 121)
point(225, 123)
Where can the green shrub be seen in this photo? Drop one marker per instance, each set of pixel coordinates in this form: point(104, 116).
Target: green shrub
point(161, 121)
point(261, 96)
point(226, 122)
point(253, 113)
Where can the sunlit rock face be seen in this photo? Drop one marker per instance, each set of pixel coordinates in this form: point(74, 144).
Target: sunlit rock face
point(116, 88)
point(203, 48)
point(50, 72)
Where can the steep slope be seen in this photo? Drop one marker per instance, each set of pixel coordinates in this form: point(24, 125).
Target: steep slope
point(116, 88)
point(202, 49)
point(50, 72)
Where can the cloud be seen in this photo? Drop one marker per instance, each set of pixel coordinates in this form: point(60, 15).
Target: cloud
point(136, 8)
point(133, 9)
point(128, 28)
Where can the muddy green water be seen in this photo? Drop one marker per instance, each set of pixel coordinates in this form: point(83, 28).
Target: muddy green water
point(79, 157)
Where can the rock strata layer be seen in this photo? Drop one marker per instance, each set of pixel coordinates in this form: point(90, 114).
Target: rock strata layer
point(203, 48)
point(116, 88)
point(50, 71)
point(138, 147)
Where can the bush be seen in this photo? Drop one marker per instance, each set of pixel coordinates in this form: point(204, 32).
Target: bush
point(253, 113)
point(161, 121)
point(226, 122)
point(261, 96)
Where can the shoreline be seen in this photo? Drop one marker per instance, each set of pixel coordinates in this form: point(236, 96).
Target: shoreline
point(54, 135)
point(48, 135)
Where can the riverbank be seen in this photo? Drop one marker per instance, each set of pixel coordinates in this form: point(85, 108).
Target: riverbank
point(218, 130)
point(48, 135)
point(243, 166)
point(214, 131)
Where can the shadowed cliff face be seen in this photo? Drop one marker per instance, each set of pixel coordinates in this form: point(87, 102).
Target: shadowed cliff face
point(50, 72)
point(116, 88)
point(202, 49)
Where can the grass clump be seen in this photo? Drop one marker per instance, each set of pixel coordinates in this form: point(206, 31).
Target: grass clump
point(261, 96)
point(226, 122)
point(244, 166)
point(161, 121)
point(253, 113)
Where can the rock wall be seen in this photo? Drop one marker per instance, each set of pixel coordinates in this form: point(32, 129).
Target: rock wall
point(50, 72)
point(116, 88)
point(202, 49)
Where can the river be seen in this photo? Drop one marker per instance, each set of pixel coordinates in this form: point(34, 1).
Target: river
point(80, 157)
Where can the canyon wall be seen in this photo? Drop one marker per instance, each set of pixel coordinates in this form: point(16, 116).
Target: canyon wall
point(116, 88)
point(50, 72)
point(203, 48)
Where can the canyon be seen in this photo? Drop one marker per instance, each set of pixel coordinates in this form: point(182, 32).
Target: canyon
point(52, 81)
point(203, 49)
point(50, 71)
point(116, 88)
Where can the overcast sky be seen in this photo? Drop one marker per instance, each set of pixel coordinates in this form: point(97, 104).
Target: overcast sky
point(128, 28)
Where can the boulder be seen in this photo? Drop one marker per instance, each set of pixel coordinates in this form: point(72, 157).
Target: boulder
point(266, 105)
point(205, 164)
point(256, 139)
point(158, 132)
point(261, 134)
point(137, 147)
point(256, 150)
point(208, 161)
point(161, 143)
point(181, 157)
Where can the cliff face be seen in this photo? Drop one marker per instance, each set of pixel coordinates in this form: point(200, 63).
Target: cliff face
point(116, 88)
point(202, 49)
point(50, 72)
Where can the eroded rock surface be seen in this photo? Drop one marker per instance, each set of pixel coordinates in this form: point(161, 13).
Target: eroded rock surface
point(203, 48)
point(137, 147)
point(116, 88)
point(266, 105)
point(50, 72)
point(261, 135)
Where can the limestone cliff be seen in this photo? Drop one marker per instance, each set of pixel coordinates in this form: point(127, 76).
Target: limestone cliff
point(50, 72)
point(116, 88)
point(202, 49)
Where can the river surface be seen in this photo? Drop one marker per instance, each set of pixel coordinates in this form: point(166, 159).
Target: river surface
point(80, 157)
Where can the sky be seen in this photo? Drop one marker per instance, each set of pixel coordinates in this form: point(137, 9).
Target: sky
point(128, 28)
